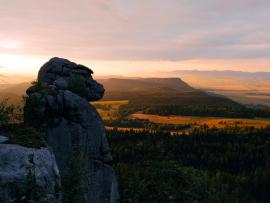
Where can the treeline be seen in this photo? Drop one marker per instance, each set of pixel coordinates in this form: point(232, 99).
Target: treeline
point(208, 165)
point(145, 124)
point(229, 111)
point(196, 103)
point(10, 113)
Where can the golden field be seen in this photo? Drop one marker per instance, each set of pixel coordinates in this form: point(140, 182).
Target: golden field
point(218, 122)
point(113, 103)
point(108, 110)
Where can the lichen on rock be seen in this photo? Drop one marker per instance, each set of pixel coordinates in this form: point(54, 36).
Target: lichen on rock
point(28, 175)
point(28, 169)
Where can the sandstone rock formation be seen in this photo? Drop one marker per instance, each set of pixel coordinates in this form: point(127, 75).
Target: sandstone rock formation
point(28, 174)
point(74, 129)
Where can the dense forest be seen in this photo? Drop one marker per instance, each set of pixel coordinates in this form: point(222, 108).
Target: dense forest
point(214, 110)
point(209, 165)
point(145, 124)
point(230, 111)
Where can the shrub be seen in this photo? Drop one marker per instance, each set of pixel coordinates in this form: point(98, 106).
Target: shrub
point(34, 109)
point(7, 112)
point(24, 135)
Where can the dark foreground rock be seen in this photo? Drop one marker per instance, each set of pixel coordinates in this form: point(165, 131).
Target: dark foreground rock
point(28, 175)
point(74, 130)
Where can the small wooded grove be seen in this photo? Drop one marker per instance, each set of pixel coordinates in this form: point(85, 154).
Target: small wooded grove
point(209, 165)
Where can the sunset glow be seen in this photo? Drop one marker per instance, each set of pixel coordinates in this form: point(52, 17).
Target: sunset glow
point(114, 39)
point(135, 101)
point(20, 64)
point(11, 44)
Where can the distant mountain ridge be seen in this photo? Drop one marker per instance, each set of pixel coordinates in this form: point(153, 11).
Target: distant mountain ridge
point(159, 91)
point(160, 96)
point(115, 84)
point(227, 73)
point(172, 96)
point(148, 90)
point(11, 79)
point(118, 84)
point(13, 92)
point(222, 80)
point(18, 89)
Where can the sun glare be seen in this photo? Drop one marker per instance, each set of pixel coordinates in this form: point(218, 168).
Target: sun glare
point(20, 64)
point(11, 44)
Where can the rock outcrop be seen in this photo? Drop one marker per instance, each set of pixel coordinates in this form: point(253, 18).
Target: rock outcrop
point(74, 129)
point(28, 174)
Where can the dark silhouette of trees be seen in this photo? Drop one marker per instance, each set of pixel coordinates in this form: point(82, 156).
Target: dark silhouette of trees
point(224, 165)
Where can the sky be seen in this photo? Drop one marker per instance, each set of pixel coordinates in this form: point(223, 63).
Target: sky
point(123, 36)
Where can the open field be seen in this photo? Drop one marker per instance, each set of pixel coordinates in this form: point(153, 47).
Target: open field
point(113, 103)
point(125, 129)
point(108, 110)
point(218, 122)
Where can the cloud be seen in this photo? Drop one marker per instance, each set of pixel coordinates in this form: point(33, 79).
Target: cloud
point(138, 29)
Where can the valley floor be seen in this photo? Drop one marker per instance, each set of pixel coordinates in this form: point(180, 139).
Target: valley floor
point(218, 122)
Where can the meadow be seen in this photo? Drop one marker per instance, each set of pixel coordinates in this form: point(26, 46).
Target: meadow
point(109, 111)
point(218, 122)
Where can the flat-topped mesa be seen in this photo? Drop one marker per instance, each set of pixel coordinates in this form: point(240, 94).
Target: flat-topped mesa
point(59, 100)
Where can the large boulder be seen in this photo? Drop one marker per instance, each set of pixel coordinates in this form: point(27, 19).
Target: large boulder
point(58, 71)
point(28, 175)
point(74, 130)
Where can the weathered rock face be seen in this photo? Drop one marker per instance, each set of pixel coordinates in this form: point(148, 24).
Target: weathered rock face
point(75, 130)
point(28, 174)
point(64, 74)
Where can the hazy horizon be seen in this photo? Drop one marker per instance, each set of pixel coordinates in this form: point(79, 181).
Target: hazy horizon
point(137, 73)
point(177, 110)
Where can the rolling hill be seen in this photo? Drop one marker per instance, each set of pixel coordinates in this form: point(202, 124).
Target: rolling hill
point(249, 88)
point(161, 96)
point(158, 91)
point(12, 98)
point(172, 96)
point(13, 92)
point(221, 80)
point(17, 89)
